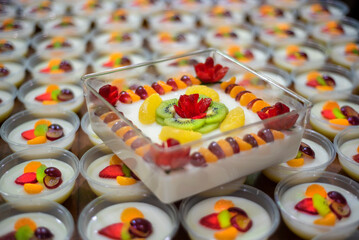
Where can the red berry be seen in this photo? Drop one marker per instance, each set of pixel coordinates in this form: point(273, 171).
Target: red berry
point(112, 231)
point(125, 97)
point(140, 91)
point(173, 84)
point(158, 88)
point(111, 171)
point(29, 177)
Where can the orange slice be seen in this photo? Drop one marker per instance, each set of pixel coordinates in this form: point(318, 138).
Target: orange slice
point(223, 204)
point(246, 98)
point(32, 166)
point(259, 140)
point(149, 90)
point(343, 122)
point(115, 160)
point(23, 222)
point(125, 181)
point(226, 234)
point(141, 151)
point(131, 140)
point(330, 105)
point(122, 131)
point(49, 102)
point(33, 188)
point(208, 155)
point(131, 213)
point(167, 88)
point(224, 85)
point(180, 84)
point(327, 220)
point(277, 134)
point(313, 75)
point(37, 140)
point(42, 122)
point(259, 105)
point(243, 146)
point(226, 147)
point(315, 189)
point(296, 162)
point(133, 95)
point(236, 90)
point(52, 87)
point(324, 88)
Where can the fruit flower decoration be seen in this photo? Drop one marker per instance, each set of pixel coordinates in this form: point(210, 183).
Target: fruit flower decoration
point(6, 46)
point(54, 95)
point(320, 81)
point(109, 93)
point(304, 152)
point(57, 66)
point(295, 56)
point(335, 114)
point(3, 71)
point(242, 55)
point(331, 207)
point(351, 52)
point(26, 229)
point(228, 220)
point(275, 110)
point(208, 72)
point(43, 130)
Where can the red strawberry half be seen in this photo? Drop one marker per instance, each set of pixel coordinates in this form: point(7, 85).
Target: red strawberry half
point(210, 221)
point(43, 97)
point(306, 206)
point(112, 231)
point(111, 171)
point(29, 177)
point(29, 134)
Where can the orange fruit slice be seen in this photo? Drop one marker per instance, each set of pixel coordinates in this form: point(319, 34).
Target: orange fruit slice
point(330, 105)
point(52, 87)
point(42, 122)
point(33, 188)
point(296, 162)
point(224, 85)
point(226, 147)
point(327, 220)
point(315, 189)
point(23, 222)
point(37, 140)
point(226, 234)
point(125, 181)
point(32, 166)
point(223, 204)
point(131, 213)
point(181, 135)
point(243, 146)
point(208, 155)
point(115, 160)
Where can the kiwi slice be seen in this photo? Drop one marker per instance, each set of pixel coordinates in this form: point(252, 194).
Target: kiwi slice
point(208, 128)
point(166, 109)
point(160, 121)
point(216, 112)
point(184, 123)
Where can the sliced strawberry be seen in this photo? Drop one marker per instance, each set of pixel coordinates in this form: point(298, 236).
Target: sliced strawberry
point(29, 177)
point(44, 97)
point(29, 134)
point(306, 206)
point(112, 231)
point(109, 64)
point(312, 83)
point(328, 114)
point(45, 70)
point(210, 221)
point(111, 171)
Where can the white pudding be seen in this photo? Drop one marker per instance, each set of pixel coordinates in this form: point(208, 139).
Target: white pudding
point(50, 10)
point(260, 19)
point(338, 55)
point(349, 149)
point(226, 18)
point(16, 73)
point(26, 29)
point(82, 9)
point(335, 12)
point(86, 127)
point(7, 11)
point(20, 48)
point(244, 36)
point(6, 104)
point(131, 22)
point(350, 33)
point(103, 44)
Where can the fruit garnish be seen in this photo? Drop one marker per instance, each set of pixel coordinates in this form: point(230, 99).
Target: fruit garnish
point(216, 150)
point(43, 233)
point(147, 111)
point(29, 134)
point(40, 130)
point(119, 15)
point(315, 189)
point(66, 21)
point(241, 222)
point(5, 45)
point(33, 188)
point(189, 106)
point(306, 206)
point(318, 8)
point(117, 60)
point(55, 131)
point(320, 81)
point(181, 135)
point(25, 222)
point(58, 42)
point(225, 32)
point(140, 228)
point(115, 160)
point(53, 177)
point(171, 16)
point(9, 24)
point(335, 114)
point(32, 166)
point(141, 92)
point(24, 232)
point(112, 231)
point(333, 28)
point(275, 110)
point(203, 90)
point(351, 51)
point(327, 220)
point(42, 122)
point(242, 55)
point(57, 66)
point(307, 150)
point(226, 234)
point(28, 177)
point(208, 72)
point(125, 181)
point(10, 235)
point(4, 71)
point(320, 204)
point(234, 119)
point(171, 37)
point(295, 56)
point(296, 162)
point(109, 93)
point(210, 221)
point(340, 210)
point(219, 11)
point(270, 11)
point(223, 204)
point(337, 197)
point(131, 213)
point(224, 219)
point(37, 140)
point(40, 173)
point(281, 30)
point(111, 171)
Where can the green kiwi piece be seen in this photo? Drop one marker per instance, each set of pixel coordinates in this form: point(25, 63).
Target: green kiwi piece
point(166, 109)
point(184, 123)
point(208, 128)
point(160, 121)
point(216, 113)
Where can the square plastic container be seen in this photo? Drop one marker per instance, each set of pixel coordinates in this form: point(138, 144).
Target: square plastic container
point(170, 184)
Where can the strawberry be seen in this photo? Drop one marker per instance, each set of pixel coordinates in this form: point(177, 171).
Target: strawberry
point(45, 70)
point(210, 221)
point(29, 134)
point(306, 206)
point(112, 231)
point(111, 171)
point(312, 83)
point(44, 97)
point(29, 177)
point(328, 114)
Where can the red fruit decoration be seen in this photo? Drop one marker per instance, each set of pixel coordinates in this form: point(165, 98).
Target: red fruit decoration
point(44, 97)
point(189, 107)
point(111, 171)
point(210, 221)
point(306, 206)
point(275, 110)
point(112, 231)
point(208, 72)
point(110, 93)
point(29, 134)
point(29, 177)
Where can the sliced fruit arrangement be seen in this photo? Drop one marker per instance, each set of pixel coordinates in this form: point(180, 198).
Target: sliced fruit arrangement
point(119, 171)
point(91, 5)
point(281, 30)
point(66, 21)
point(319, 9)
point(351, 52)
point(43, 131)
point(171, 37)
point(9, 24)
point(219, 11)
point(295, 56)
point(344, 115)
point(331, 206)
point(6, 46)
point(42, 7)
point(356, 156)
point(227, 219)
point(249, 80)
point(242, 55)
point(58, 42)
point(117, 60)
point(305, 152)
point(171, 16)
point(225, 32)
point(270, 11)
point(54, 95)
point(57, 66)
point(37, 176)
point(320, 81)
point(119, 15)
point(27, 229)
point(133, 225)
point(333, 28)
point(117, 37)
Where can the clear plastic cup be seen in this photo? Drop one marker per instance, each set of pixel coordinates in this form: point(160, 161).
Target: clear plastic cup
point(20, 48)
point(7, 96)
point(86, 127)
point(337, 9)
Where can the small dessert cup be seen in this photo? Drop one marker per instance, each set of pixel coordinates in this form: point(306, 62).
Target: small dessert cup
point(13, 167)
point(197, 7)
point(257, 205)
point(346, 143)
point(287, 5)
point(53, 216)
point(266, 15)
point(220, 15)
point(346, 54)
point(241, 6)
point(43, 10)
point(324, 156)
point(292, 189)
point(12, 129)
point(86, 127)
point(107, 210)
point(98, 158)
point(36, 95)
point(172, 21)
point(7, 98)
point(66, 26)
point(16, 28)
point(12, 72)
point(331, 78)
point(12, 49)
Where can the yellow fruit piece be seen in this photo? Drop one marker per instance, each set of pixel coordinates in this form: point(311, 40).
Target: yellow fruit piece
point(223, 204)
point(224, 85)
point(204, 90)
point(208, 155)
point(342, 122)
point(226, 234)
point(183, 136)
point(42, 122)
point(330, 105)
point(115, 160)
point(315, 189)
point(33, 188)
point(32, 166)
point(52, 87)
point(37, 140)
point(296, 162)
point(125, 181)
point(147, 111)
point(131, 213)
point(327, 220)
point(23, 222)
point(234, 119)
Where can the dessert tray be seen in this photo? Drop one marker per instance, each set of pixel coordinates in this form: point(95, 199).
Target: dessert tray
point(196, 129)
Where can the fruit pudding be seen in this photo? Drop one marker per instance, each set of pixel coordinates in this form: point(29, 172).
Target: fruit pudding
point(92, 8)
point(165, 43)
point(43, 10)
point(12, 72)
point(224, 36)
point(323, 11)
point(13, 27)
point(106, 173)
point(192, 6)
point(66, 26)
point(246, 213)
point(345, 54)
point(172, 21)
point(7, 97)
point(112, 218)
point(64, 96)
point(334, 32)
point(315, 152)
point(298, 58)
point(7, 10)
point(268, 15)
point(12, 49)
point(240, 5)
point(120, 20)
point(58, 47)
point(145, 7)
point(287, 4)
point(56, 70)
point(86, 127)
point(319, 208)
point(220, 15)
point(46, 127)
point(326, 79)
point(329, 117)
point(255, 55)
point(126, 42)
point(283, 34)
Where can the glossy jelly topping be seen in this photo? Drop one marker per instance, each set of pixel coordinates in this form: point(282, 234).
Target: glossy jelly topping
point(58, 42)
point(242, 55)
point(4, 71)
point(320, 81)
point(295, 56)
point(54, 95)
point(281, 30)
point(351, 52)
point(117, 60)
point(57, 66)
point(6, 46)
point(9, 24)
point(333, 28)
point(43, 130)
point(339, 115)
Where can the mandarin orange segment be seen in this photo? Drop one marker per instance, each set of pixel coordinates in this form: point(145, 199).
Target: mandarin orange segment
point(224, 85)
point(226, 234)
point(180, 84)
point(122, 131)
point(243, 146)
point(259, 140)
point(125, 181)
point(133, 95)
point(350, 47)
point(236, 90)
point(246, 98)
point(277, 134)
point(330, 105)
point(131, 140)
point(313, 75)
point(223, 204)
point(110, 124)
point(149, 90)
point(296, 162)
point(37, 140)
point(315, 189)
point(283, 26)
point(194, 80)
point(23, 222)
point(226, 147)
point(342, 122)
point(208, 155)
point(167, 88)
point(54, 62)
point(115, 160)
point(358, 149)
point(141, 151)
point(52, 87)
point(292, 49)
point(327, 220)
point(324, 88)
point(49, 102)
point(103, 116)
point(32, 166)
point(332, 24)
point(131, 213)
point(259, 105)
point(42, 122)
point(33, 188)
